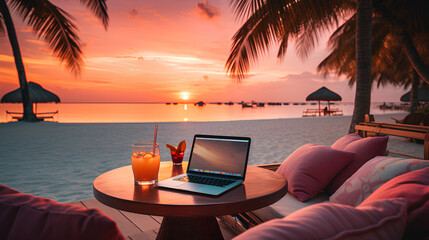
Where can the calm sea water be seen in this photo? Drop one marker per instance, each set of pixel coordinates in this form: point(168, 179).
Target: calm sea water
point(61, 160)
point(160, 112)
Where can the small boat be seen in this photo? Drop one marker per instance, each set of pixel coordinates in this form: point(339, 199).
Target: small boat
point(295, 103)
point(175, 103)
point(261, 104)
point(229, 103)
point(200, 104)
point(245, 105)
point(168, 103)
point(313, 103)
point(286, 103)
point(303, 103)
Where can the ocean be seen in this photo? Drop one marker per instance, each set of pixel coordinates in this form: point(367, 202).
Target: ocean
point(60, 160)
point(161, 112)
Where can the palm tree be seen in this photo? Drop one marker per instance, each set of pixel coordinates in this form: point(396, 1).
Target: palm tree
point(390, 61)
point(272, 22)
point(276, 21)
point(54, 26)
point(411, 18)
point(363, 62)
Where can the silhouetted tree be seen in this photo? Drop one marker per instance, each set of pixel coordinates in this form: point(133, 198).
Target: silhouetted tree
point(54, 26)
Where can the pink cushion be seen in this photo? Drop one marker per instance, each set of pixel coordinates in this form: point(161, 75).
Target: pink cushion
point(310, 168)
point(24, 216)
point(414, 186)
point(384, 219)
point(371, 176)
point(364, 150)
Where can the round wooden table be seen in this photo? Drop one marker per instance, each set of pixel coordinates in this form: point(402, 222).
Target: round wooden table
point(187, 215)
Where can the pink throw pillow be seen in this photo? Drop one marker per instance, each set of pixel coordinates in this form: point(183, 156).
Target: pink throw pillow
point(24, 216)
point(371, 176)
point(364, 150)
point(413, 186)
point(310, 168)
point(384, 219)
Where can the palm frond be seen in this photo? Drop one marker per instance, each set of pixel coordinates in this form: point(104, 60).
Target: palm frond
point(99, 8)
point(2, 26)
point(276, 22)
point(54, 25)
point(318, 16)
point(343, 33)
point(390, 64)
point(283, 48)
point(255, 37)
point(245, 8)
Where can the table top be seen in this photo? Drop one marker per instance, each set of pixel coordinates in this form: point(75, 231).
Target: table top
point(116, 189)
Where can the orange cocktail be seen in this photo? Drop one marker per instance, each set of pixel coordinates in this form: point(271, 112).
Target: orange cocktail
point(145, 163)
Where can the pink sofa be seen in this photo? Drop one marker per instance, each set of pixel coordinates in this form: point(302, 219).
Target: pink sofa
point(23, 216)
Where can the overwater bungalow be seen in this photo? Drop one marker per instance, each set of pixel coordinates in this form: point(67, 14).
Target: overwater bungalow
point(323, 94)
point(38, 95)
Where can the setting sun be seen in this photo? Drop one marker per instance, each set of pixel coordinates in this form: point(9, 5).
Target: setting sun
point(185, 96)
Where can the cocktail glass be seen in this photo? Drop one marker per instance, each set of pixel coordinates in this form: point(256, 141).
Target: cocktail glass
point(177, 157)
point(145, 163)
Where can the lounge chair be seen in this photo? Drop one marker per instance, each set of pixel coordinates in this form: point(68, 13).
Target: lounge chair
point(425, 120)
point(411, 119)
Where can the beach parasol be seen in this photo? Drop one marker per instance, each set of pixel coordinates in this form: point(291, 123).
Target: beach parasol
point(37, 93)
point(323, 94)
point(423, 95)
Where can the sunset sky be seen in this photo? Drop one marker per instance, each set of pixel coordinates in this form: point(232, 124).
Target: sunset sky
point(158, 50)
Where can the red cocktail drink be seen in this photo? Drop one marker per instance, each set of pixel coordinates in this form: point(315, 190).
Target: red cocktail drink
point(177, 157)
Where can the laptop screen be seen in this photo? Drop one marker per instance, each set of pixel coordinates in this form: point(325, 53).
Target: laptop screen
point(225, 156)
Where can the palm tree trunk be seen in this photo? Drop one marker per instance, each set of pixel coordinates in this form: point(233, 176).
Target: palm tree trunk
point(414, 98)
point(363, 63)
point(410, 49)
point(28, 114)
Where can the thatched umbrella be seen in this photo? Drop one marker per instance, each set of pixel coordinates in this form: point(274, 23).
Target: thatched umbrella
point(37, 93)
point(423, 95)
point(323, 94)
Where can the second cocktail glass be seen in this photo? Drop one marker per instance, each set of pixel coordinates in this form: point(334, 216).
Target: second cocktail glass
point(145, 163)
point(177, 157)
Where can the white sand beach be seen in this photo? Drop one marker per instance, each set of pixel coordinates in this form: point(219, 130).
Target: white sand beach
point(61, 160)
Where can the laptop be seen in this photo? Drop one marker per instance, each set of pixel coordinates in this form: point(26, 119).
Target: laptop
point(216, 165)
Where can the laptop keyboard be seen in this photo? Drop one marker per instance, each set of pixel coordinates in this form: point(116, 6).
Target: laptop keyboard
point(205, 180)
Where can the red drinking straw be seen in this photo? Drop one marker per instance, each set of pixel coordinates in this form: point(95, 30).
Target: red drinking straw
point(154, 138)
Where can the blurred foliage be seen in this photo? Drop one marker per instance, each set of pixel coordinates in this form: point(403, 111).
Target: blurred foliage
point(423, 110)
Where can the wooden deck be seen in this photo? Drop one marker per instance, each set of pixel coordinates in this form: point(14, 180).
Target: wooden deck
point(321, 112)
point(39, 116)
point(138, 226)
